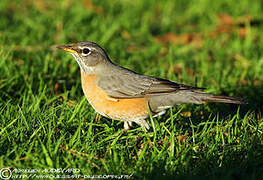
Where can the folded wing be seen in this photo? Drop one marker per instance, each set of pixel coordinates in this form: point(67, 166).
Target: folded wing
point(132, 85)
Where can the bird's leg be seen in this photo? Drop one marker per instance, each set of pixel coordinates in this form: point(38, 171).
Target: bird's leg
point(126, 126)
point(142, 123)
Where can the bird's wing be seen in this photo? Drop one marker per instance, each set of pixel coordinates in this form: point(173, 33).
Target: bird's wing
point(132, 85)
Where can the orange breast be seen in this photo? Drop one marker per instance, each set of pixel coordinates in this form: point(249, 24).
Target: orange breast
point(118, 109)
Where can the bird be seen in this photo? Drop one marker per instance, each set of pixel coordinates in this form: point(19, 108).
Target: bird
point(121, 94)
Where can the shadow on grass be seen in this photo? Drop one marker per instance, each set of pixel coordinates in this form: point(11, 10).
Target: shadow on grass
point(241, 163)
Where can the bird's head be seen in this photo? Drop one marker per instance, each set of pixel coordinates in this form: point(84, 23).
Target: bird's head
point(90, 56)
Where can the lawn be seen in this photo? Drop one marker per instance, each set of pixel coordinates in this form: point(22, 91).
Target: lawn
point(47, 127)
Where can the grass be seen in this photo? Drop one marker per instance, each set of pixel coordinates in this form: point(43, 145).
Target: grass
point(46, 123)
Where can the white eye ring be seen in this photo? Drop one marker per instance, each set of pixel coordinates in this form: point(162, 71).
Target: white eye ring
point(86, 51)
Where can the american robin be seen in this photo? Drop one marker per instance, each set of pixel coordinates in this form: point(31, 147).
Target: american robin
point(121, 94)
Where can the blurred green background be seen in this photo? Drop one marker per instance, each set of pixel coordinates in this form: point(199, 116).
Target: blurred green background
point(45, 122)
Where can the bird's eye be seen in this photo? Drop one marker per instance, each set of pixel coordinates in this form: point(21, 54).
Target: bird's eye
point(86, 51)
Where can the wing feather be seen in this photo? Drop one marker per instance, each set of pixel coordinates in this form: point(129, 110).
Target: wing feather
point(129, 84)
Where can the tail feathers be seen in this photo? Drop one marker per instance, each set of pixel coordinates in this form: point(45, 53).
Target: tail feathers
point(222, 99)
point(158, 104)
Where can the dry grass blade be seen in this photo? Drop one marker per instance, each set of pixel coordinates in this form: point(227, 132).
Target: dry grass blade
point(76, 153)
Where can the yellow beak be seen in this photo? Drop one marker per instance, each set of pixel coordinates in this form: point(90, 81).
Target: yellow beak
point(68, 48)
